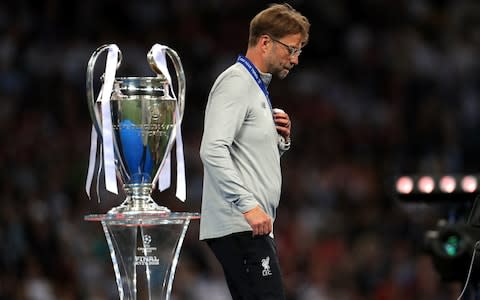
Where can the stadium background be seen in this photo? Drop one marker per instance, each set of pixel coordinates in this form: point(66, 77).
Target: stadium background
point(383, 88)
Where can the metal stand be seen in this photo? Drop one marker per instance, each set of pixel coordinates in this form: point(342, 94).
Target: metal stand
point(144, 249)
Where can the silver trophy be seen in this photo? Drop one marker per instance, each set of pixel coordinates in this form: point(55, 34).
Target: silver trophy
point(137, 119)
point(144, 115)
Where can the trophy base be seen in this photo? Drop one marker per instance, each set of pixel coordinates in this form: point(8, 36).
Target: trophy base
point(141, 206)
point(145, 250)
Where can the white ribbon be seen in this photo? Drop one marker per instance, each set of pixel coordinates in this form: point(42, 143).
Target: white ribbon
point(158, 53)
point(107, 136)
point(165, 178)
point(181, 192)
point(108, 153)
point(91, 161)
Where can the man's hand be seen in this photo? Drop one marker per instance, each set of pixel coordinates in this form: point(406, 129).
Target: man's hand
point(260, 222)
point(282, 122)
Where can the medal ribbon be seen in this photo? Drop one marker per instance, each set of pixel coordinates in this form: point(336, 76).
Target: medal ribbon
point(255, 74)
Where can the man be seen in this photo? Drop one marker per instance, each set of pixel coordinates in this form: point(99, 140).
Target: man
point(242, 142)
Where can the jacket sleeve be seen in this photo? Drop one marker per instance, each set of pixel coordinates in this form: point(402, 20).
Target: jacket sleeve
point(225, 113)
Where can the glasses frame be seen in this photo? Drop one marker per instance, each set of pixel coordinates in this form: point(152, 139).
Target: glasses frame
point(292, 51)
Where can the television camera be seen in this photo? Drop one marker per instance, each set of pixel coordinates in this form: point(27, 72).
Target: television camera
point(454, 244)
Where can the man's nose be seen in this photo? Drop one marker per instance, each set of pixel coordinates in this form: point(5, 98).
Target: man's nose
point(294, 60)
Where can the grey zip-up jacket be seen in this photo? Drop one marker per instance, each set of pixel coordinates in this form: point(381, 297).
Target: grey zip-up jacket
point(240, 154)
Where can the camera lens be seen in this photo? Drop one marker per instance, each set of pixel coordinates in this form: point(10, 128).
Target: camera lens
point(451, 245)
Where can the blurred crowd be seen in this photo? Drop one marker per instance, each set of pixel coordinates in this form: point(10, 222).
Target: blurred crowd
point(383, 88)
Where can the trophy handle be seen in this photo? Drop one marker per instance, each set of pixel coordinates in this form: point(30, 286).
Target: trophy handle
point(94, 114)
point(177, 63)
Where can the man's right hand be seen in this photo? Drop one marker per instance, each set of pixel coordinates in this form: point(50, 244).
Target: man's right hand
point(260, 222)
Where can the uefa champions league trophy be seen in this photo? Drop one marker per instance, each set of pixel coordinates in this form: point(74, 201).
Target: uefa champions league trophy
point(137, 120)
point(144, 117)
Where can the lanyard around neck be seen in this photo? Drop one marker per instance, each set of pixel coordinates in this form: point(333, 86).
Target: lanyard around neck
point(254, 72)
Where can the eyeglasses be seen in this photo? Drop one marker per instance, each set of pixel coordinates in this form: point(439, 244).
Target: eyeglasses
point(292, 51)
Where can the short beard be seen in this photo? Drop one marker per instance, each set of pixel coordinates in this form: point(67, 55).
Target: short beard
point(281, 74)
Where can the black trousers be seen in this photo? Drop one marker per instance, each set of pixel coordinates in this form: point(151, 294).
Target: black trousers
point(251, 266)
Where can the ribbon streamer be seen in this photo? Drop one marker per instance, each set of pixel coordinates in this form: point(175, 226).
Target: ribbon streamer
point(91, 161)
point(164, 180)
point(108, 153)
point(107, 136)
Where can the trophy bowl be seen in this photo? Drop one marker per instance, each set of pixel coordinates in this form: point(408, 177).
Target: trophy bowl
point(144, 114)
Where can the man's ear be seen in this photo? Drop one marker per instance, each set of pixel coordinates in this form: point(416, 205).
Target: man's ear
point(264, 42)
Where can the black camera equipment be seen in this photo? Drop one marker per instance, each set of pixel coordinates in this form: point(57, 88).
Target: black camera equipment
point(454, 244)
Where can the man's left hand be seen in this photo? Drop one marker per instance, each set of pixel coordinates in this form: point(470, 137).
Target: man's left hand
point(282, 123)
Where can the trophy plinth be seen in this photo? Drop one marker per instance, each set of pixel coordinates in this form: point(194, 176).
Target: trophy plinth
point(145, 250)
